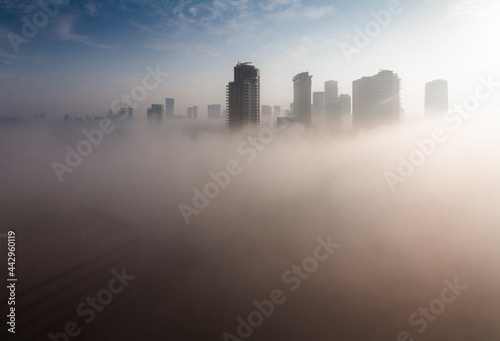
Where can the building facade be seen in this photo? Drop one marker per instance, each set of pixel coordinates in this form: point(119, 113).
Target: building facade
point(436, 98)
point(277, 110)
point(376, 100)
point(318, 108)
point(345, 105)
point(192, 112)
point(243, 97)
point(302, 98)
point(214, 111)
point(332, 111)
point(169, 107)
point(267, 110)
point(155, 114)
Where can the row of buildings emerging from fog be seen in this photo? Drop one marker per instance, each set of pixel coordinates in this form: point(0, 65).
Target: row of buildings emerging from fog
point(376, 100)
point(156, 112)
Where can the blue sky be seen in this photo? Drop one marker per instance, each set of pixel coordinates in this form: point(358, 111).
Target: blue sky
point(91, 52)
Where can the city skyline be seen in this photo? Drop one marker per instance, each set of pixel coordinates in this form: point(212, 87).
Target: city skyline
point(193, 42)
point(376, 101)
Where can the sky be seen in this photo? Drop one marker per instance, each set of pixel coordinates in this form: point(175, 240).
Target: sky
point(86, 54)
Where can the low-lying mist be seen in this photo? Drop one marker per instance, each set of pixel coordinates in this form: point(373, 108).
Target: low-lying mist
point(413, 212)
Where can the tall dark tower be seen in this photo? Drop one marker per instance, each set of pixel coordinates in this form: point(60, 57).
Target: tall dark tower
point(436, 98)
point(302, 98)
point(243, 97)
point(155, 114)
point(169, 107)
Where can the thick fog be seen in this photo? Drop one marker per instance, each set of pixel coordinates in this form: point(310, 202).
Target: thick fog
point(386, 252)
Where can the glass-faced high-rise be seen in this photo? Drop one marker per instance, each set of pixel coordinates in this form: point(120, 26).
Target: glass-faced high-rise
point(376, 100)
point(243, 97)
point(302, 98)
point(436, 98)
point(169, 107)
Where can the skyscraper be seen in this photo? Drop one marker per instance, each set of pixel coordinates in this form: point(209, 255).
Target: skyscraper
point(436, 98)
point(302, 98)
point(318, 108)
point(277, 110)
point(376, 100)
point(169, 107)
point(214, 111)
point(267, 110)
point(155, 114)
point(345, 105)
point(192, 112)
point(125, 113)
point(243, 97)
point(331, 101)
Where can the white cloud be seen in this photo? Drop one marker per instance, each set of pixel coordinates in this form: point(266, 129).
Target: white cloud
point(64, 31)
point(140, 26)
point(17, 7)
point(474, 8)
point(91, 8)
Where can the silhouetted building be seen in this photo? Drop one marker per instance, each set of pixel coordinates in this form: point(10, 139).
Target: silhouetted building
point(277, 110)
point(332, 103)
point(214, 111)
point(436, 98)
point(155, 114)
point(345, 105)
point(332, 111)
point(243, 97)
point(169, 107)
point(267, 110)
point(192, 112)
point(318, 108)
point(376, 100)
point(125, 113)
point(302, 98)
